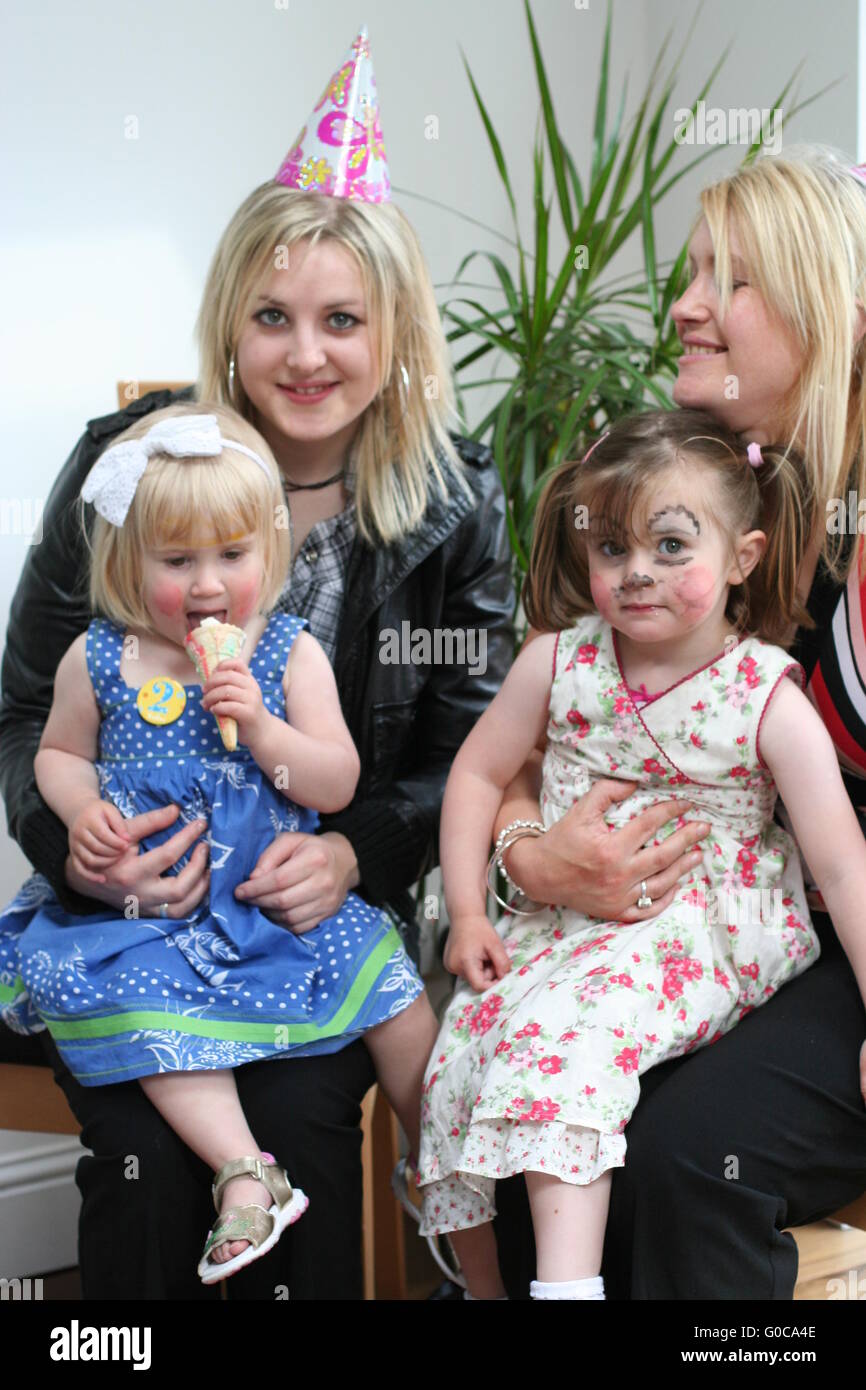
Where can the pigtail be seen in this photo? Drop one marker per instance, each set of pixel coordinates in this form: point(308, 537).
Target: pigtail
point(786, 516)
point(555, 588)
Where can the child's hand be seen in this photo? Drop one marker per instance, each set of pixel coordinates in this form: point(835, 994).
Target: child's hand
point(97, 837)
point(475, 952)
point(233, 691)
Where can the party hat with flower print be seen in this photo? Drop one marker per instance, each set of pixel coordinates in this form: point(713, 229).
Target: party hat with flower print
point(340, 150)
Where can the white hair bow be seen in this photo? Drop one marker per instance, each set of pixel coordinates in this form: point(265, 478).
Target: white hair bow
point(110, 485)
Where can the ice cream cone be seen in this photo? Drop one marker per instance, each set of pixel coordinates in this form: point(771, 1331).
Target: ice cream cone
point(206, 646)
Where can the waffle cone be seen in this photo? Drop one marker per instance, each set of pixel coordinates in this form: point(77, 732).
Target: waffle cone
point(206, 646)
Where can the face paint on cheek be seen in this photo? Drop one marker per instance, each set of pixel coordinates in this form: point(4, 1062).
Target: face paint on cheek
point(694, 591)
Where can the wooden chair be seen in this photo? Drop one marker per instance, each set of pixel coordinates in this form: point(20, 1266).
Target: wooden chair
point(853, 1215)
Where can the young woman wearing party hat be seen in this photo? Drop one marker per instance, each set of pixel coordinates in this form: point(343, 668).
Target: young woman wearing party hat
point(319, 326)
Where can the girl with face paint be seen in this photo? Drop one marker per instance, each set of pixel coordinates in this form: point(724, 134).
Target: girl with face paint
point(773, 331)
point(662, 579)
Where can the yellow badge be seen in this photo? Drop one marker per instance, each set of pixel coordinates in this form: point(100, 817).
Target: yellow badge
point(161, 701)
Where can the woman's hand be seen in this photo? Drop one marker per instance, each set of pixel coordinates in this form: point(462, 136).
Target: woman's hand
point(475, 952)
point(582, 864)
point(134, 879)
point(97, 837)
point(301, 879)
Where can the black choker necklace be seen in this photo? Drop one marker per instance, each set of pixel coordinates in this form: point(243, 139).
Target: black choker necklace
point(312, 487)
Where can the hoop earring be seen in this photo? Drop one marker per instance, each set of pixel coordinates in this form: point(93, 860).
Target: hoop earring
point(404, 389)
point(232, 379)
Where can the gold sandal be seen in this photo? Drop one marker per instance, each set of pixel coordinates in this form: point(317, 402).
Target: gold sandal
point(251, 1222)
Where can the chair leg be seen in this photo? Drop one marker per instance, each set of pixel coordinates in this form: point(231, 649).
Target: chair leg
point(390, 1262)
point(368, 1225)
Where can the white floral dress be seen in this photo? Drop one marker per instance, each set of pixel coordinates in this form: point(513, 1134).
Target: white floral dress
point(540, 1072)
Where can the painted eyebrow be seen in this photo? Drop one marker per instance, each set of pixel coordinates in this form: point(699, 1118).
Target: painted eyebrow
point(655, 524)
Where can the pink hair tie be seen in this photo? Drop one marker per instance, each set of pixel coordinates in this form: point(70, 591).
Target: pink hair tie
point(859, 172)
point(594, 446)
point(754, 455)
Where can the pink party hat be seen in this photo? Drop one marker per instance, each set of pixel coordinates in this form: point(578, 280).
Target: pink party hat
point(340, 150)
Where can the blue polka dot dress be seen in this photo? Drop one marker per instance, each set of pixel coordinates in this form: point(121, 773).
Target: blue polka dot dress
point(126, 996)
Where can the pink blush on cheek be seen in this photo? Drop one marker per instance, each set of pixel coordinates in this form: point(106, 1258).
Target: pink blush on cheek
point(600, 590)
point(167, 598)
point(247, 599)
point(695, 590)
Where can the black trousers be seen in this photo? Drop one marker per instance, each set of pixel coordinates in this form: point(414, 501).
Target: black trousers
point(147, 1206)
point(764, 1129)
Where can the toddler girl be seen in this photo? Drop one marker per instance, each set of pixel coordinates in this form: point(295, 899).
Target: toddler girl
point(192, 525)
point(663, 568)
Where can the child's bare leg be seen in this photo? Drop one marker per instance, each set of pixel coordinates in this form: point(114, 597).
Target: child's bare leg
point(401, 1049)
point(204, 1109)
point(479, 1260)
point(569, 1223)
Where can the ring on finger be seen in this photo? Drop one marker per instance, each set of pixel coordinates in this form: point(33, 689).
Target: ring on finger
point(162, 910)
point(644, 900)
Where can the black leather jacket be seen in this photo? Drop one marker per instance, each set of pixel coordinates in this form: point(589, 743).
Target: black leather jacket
point(407, 720)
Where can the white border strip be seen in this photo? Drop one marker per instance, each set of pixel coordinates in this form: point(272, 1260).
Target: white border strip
point(861, 82)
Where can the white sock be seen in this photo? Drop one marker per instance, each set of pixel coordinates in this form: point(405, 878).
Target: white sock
point(592, 1288)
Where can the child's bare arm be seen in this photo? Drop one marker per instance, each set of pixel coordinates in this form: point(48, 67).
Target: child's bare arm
point(799, 752)
point(490, 758)
point(312, 757)
point(68, 748)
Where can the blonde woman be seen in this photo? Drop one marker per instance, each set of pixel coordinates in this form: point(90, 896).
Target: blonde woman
point(766, 1129)
point(319, 325)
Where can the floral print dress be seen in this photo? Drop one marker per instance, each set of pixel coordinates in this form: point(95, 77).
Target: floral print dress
point(541, 1071)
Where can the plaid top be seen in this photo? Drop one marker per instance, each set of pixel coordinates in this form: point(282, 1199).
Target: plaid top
point(316, 584)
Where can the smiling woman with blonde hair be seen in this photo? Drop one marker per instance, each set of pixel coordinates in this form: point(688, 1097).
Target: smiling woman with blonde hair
point(404, 433)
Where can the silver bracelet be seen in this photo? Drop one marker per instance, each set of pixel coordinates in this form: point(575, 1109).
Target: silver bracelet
point(509, 907)
point(517, 830)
